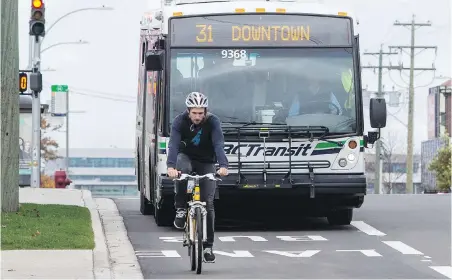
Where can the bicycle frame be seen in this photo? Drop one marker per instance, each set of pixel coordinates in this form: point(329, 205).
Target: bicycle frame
point(192, 205)
point(195, 203)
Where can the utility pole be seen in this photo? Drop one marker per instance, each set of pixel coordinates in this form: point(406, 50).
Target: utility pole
point(409, 161)
point(380, 94)
point(67, 133)
point(36, 32)
point(9, 105)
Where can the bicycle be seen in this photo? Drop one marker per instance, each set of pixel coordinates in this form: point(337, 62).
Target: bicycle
point(196, 224)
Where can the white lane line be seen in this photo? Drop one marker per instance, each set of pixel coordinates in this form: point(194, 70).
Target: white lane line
point(444, 270)
point(367, 229)
point(402, 248)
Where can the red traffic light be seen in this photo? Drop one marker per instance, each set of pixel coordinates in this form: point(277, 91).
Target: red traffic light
point(37, 4)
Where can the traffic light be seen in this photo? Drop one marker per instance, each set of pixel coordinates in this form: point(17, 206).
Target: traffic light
point(23, 82)
point(37, 20)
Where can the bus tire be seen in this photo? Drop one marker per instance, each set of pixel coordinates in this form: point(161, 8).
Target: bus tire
point(340, 217)
point(163, 215)
point(146, 208)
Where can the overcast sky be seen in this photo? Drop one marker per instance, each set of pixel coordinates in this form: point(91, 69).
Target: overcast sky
point(102, 75)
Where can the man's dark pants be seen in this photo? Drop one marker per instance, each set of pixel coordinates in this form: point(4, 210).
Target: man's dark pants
point(186, 165)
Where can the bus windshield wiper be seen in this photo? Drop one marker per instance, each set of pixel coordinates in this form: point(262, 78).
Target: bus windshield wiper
point(315, 129)
point(339, 144)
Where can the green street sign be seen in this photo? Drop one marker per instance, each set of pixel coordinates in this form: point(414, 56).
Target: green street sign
point(60, 88)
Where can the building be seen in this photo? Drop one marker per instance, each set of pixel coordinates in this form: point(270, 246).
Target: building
point(105, 172)
point(393, 173)
point(439, 110)
point(429, 151)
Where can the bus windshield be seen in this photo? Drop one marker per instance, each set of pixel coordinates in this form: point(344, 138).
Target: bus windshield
point(294, 86)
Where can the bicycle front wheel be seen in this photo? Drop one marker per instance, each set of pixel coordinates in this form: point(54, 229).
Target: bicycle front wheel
point(191, 245)
point(199, 237)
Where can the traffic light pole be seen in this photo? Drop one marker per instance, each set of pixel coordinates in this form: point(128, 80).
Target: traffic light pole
point(37, 33)
point(36, 115)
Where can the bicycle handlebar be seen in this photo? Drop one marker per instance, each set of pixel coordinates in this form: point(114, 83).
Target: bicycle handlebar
point(184, 176)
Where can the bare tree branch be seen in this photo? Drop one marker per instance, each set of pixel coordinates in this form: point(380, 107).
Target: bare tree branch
point(392, 148)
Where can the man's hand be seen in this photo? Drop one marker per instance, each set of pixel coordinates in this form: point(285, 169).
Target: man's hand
point(172, 173)
point(223, 171)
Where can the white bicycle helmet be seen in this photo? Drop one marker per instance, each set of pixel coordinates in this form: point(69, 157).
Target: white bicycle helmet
point(196, 100)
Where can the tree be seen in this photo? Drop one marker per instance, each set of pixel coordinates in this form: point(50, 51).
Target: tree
point(48, 145)
point(9, 105)
point(47, 181)
point(441, 165)
point(390, 160)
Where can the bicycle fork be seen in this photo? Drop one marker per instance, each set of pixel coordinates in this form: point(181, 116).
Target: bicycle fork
point(193, 207)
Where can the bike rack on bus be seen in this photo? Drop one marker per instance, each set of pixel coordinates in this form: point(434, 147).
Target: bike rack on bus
point(274, 134)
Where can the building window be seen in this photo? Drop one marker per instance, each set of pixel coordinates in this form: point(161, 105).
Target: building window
point(398, 167)
point(105, 178)
point(102, 162)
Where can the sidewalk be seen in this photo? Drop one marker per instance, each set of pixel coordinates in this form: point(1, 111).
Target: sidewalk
point(112, 258)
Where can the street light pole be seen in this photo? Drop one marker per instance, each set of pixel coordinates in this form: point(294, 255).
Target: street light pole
point(103, 8)
point(80, 42)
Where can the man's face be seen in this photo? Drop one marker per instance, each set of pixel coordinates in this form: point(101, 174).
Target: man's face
point(196, 115)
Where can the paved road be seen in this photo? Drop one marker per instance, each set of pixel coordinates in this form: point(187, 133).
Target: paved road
point(393, 236)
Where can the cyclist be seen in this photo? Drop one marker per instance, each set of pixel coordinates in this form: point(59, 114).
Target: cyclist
point(195, 144)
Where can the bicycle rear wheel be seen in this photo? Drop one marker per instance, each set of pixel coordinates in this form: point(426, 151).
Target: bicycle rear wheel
point(199, 237)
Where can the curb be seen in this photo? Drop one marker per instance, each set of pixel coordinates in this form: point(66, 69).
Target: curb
point(101, 260)
point(124, 262)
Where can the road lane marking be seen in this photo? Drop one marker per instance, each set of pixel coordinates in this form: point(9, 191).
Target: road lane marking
point(235, 254)
point(302, 238)
point(295, 254)
point(403, 248)
point(368, 253)
point(248, 254)
point(444, 270)
point(158, 254)
point(232, 238)
point(367, 229)
point(177, 239)
point(255, 238)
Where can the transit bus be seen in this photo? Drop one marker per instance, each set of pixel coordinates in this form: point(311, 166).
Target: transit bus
point(285, 80)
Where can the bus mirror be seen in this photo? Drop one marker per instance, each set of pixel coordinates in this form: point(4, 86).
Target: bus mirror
point(377, 112)
point(154, 60)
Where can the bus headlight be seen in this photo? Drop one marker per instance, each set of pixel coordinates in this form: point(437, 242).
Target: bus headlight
point(342, 162)
point(351, 157)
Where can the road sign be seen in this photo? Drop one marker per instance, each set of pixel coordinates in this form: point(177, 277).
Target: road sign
point(23, 82)
point(59, 100)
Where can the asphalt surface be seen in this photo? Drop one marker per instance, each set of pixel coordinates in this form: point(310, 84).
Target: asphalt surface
point(392, 236)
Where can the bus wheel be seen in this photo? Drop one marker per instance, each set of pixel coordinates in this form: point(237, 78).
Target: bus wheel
point(163, 215)
point(146, 208)
point(340, 217)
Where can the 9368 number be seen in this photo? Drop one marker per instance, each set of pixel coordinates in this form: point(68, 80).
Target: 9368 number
point(237, 54)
